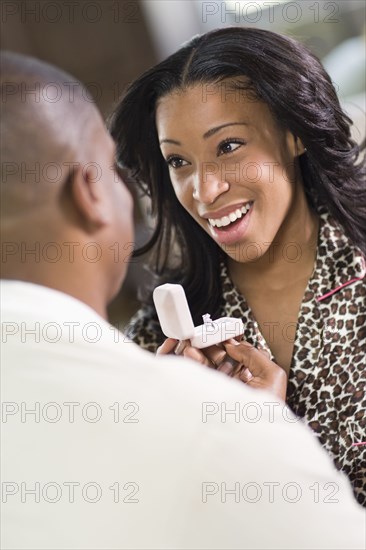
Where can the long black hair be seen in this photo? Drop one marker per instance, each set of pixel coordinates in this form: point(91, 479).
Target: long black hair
point(293, 83)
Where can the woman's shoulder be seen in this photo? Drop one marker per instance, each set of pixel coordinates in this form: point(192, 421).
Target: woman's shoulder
point(144, 329)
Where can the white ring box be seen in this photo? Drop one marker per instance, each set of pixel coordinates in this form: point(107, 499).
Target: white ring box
point(176, 320)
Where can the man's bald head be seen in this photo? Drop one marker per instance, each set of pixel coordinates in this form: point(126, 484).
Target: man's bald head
point(46, 125)
point(59, 187)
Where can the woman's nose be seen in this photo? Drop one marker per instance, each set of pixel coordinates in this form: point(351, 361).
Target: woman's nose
point(208, 184)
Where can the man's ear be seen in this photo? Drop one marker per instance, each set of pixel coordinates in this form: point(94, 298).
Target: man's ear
point(295, 144)
point(89, 197)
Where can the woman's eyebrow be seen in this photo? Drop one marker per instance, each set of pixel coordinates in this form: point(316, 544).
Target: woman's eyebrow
point(170, 141)
point(209, 133)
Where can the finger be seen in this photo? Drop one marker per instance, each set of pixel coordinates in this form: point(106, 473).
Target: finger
point(237, 338)
point(167, 346)
point(197, 355)
point(239, 350)
point(249, 356)
point(244, 375)
point(236, 342)
point(228, 365)
point(181, 347)
point(215, 354)
point(264, 352)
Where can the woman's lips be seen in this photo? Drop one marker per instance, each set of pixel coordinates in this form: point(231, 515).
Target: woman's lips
point(225, 211)
point(234, 232)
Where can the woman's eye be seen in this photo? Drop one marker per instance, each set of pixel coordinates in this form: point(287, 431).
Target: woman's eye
point(176, 162)
point(229, 147)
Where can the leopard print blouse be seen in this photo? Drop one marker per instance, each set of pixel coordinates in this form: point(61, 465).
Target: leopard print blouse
point(327, 378)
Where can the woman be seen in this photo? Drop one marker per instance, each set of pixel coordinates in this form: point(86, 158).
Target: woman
point(259, 197)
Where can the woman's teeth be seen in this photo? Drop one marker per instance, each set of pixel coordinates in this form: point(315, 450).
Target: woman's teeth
point(230, 218)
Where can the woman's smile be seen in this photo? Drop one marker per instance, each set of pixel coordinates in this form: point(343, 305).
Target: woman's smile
point(231, 227)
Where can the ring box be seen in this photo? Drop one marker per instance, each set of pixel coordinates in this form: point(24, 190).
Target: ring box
point(176, 320)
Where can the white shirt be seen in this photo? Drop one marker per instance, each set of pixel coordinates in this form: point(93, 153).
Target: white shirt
point(124, 450)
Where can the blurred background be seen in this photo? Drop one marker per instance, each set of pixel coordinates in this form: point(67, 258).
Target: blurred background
point(108, 43)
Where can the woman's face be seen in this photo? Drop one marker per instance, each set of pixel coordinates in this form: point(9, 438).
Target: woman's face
point(231, 166)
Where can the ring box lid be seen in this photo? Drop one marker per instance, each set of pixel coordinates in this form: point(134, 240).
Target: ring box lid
point(173, 311)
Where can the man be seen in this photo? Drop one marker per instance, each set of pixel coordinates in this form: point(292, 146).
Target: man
point(104, 445)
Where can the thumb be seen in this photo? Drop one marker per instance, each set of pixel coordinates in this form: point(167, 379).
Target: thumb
point(264, 352)
point(247, 355)
point(238, 350)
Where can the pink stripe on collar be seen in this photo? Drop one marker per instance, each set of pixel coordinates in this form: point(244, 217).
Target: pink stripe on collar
point(320, 298)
